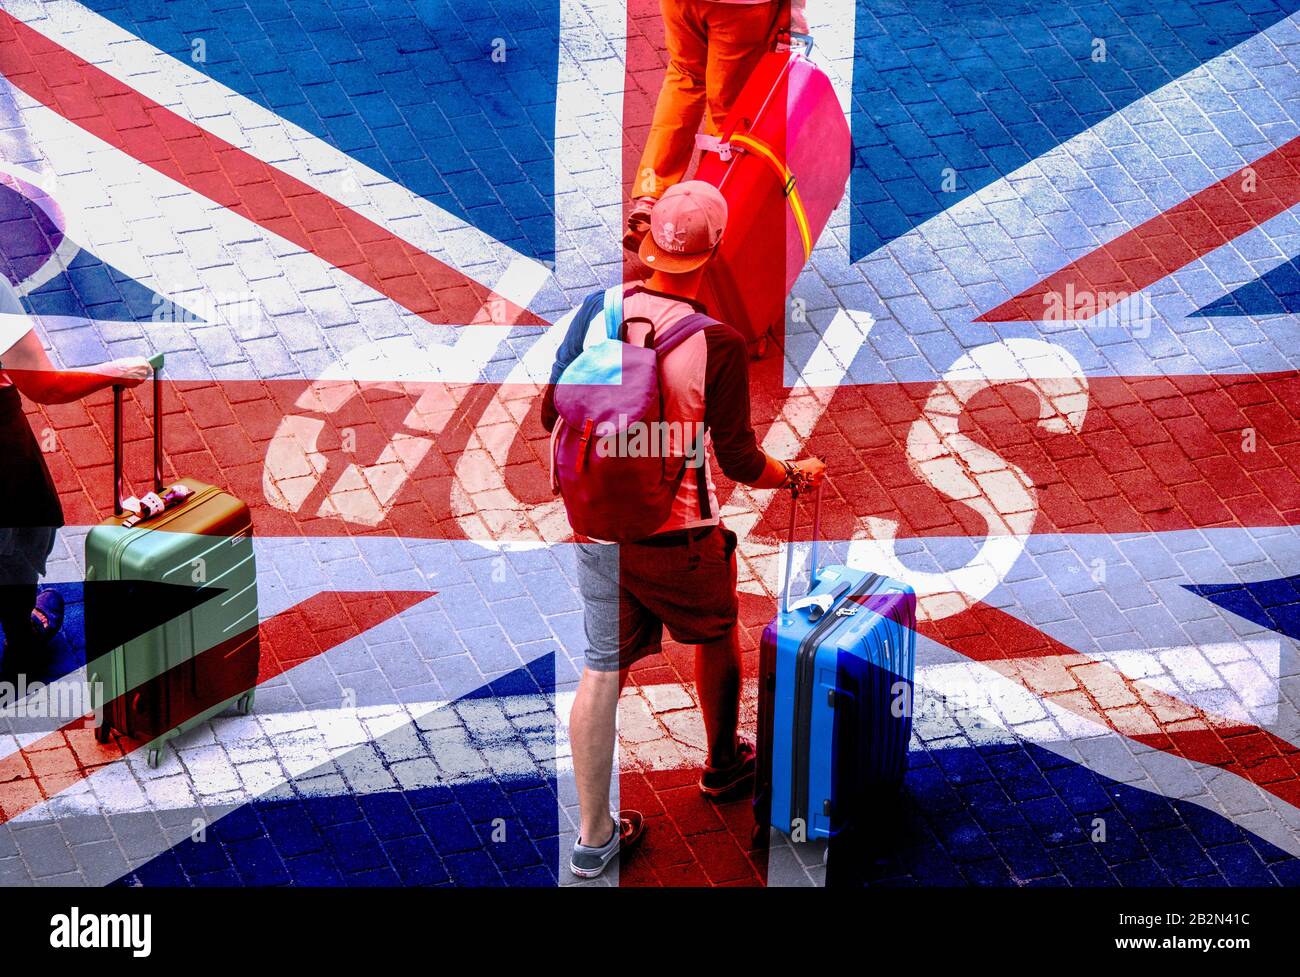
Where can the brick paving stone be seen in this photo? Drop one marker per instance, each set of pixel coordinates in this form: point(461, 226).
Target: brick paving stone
point(1154, 489)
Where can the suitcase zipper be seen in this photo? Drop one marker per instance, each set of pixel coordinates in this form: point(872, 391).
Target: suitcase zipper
point(804, 679)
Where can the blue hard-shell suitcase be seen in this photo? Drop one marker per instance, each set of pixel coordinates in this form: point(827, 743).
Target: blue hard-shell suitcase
point(835, 698)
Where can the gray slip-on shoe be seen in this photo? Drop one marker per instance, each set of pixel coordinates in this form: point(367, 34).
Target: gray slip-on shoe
point(588, 862)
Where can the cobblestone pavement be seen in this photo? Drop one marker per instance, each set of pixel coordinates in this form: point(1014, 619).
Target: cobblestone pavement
point(355, 228)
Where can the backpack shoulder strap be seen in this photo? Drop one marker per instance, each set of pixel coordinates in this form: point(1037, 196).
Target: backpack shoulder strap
point(682, 330)
point(614, 311)
point(581, 328)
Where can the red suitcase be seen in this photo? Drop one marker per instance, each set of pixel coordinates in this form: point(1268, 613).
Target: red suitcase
point(782, 162)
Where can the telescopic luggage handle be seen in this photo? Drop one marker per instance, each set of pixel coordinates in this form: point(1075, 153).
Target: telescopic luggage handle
point(157, 363)
point(816, 540)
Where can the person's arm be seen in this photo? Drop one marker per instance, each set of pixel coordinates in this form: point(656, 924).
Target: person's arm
point(810, 470)
point(798, 17)
point(727, 415)
point(29, 369)
point(570, 347)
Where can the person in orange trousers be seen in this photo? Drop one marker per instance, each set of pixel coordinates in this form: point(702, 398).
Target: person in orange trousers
point(713, 47)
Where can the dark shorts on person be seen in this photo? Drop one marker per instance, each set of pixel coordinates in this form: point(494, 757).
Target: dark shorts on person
point(29, 524)
point(633, 591)
point(23, 552)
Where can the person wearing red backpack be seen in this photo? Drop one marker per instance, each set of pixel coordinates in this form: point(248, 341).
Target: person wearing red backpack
point(635, 357)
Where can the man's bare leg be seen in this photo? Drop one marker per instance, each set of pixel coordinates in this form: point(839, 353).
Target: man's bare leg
point(717, 683)
point(591, 733)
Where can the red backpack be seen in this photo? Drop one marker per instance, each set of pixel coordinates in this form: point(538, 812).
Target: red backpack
point(615, 459)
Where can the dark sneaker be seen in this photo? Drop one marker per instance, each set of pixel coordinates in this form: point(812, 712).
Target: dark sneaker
point(638, 223)
point(588, 862)
point(716, 782)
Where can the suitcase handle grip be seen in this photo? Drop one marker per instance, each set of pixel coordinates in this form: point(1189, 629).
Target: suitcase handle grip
point(805, 41)
point(155, 361)
point(816, 541)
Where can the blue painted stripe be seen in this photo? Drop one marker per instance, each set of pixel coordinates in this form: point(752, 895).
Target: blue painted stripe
point(980, 89)
point(408, 87)
point(1276, 292)
point(1017, 814)
point(93, 289)
point(1274, 604)
point(442, 835)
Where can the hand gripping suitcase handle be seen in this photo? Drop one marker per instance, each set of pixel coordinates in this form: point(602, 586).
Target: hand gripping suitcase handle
point(816, 543)
point(157, 363)
point(781, 33)
point(805, 42)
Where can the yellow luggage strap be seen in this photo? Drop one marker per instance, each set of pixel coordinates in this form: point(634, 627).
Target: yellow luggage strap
point(787, 184)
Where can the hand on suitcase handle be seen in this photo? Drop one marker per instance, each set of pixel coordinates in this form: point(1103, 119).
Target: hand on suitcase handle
point(791, 21)
point(156, 362)
point(805, 474)
point(127, 371)
point(805, 42)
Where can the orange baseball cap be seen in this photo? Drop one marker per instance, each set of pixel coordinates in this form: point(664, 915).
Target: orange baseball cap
point(685, 227)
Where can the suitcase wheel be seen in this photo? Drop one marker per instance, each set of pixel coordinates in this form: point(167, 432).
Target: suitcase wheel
point(103, 732)
point(155, 757)
point(245, 703)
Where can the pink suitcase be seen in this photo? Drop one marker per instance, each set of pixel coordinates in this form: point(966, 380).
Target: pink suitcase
point(782, 161)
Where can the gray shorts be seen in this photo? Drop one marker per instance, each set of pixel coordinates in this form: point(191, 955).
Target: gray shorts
point(23, 552)
point(631, 592)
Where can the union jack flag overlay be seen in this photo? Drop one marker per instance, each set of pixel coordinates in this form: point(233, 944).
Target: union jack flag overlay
point(1047, 347)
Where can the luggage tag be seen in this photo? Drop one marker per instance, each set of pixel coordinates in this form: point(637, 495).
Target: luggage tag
point(815, 604)
point(150, 505)
point(153, 504)
point(713, 144)
point(819, 605)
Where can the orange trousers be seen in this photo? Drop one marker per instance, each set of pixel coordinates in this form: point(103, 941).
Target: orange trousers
point(712, 49)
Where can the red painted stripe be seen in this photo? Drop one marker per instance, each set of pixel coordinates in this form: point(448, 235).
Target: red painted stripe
point(1164, 244)
point(1058, 674)
point(693, 842)
point(1155, 454)
point(69, 755)
point(220, 171)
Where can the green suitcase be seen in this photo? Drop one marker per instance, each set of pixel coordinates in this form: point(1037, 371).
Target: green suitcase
point(203, 658)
